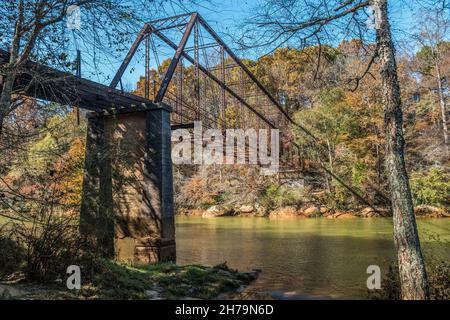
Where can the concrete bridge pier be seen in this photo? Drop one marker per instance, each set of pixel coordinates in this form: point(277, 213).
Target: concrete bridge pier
point(127, 203)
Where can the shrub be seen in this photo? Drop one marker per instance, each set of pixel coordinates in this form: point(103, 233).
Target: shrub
point(438, 272)
point(12, 256)
point(196, 193)
point(42, 249)
point(438, 279)
point(50, 247)
point(276, 196)
point(339, 199)
point(431, 188)
point(47, 234)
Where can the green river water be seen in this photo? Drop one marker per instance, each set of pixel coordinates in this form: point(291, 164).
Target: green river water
point(302, 258)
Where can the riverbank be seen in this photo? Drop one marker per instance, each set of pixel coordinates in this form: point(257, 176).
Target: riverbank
point(312, 211)
point(150, 282)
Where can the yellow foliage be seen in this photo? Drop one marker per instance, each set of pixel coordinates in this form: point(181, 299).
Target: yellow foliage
point(70, 170)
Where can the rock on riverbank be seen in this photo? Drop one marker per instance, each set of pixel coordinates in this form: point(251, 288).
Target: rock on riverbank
point(310, 211)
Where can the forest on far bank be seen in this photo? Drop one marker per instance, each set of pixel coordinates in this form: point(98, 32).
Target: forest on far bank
point(348, 119)
point(46, 145)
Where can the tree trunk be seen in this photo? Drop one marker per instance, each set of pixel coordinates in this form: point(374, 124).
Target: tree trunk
point(330, 161)
point(442, 103)
point(5, 98)
point(11, 68)
point(413, 277)
point(378, 166)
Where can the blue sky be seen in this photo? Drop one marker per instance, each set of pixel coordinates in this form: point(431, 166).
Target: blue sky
point(227, 15)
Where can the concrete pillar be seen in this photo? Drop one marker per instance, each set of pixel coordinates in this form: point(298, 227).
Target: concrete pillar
point(137, 190)
point(157, 200)
point(96, 213)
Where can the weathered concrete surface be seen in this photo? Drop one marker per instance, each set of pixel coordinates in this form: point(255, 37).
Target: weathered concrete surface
point(139, 204)
point(96, 214)
point(157, 200)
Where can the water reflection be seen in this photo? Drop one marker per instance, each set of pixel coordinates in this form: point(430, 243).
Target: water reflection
point(299, 258)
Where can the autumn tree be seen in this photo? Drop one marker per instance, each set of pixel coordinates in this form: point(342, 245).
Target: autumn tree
point(433, 59)
point(288, 22)
point(38, 29)
point(45, 31)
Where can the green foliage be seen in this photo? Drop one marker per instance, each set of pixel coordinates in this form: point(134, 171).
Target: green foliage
point(347, 139)
point(338, 199)
point(53, 142)
point(220, 198)
point(431, 188)
point(359, 172)
point(115, 281)
point(427, 54)
point(330, 97)
point(278, 196)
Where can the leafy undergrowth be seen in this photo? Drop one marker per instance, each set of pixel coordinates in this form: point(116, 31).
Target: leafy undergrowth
point(438, 279)
point(156, 281)
point(438, 272)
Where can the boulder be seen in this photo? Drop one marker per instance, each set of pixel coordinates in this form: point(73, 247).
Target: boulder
point(196, 212)
point(247, 277)
point(286, 212)
point(246, 208)
point(368, 212)
point(260, 211)
point(311, 212)
point(153, 294)
point(214, 211)
point(372, 214)
point(324, 210)
point(426, 211)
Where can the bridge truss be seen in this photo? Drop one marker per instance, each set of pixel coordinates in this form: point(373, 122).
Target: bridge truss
point(204, 80)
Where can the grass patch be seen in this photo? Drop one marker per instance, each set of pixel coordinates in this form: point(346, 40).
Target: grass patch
point(166, 280)
point(112, 281)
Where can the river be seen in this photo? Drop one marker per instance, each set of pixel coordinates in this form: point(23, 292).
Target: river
point(302, 258)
